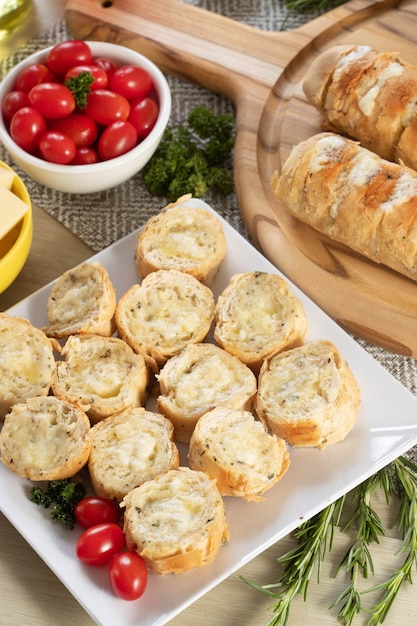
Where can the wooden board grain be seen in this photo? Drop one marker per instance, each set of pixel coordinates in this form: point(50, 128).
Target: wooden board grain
point(261, 72)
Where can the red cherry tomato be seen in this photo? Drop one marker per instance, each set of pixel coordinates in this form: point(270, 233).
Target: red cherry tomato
point(94, 510)
point(52, 100)
point(81, 128)
point(66, 54)
point(85, 155)
point(12, 102)
point(33, 75)
point(26, 127)
point(107, 65)
point(99, 544)
point(105, 107)
point(143, 115)
point(131, 82)
point(128, 575)
point(116, 139)
point(99, 75)
point(56, 147)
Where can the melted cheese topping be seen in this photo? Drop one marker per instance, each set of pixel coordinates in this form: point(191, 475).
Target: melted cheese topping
point(368, 101)
point(348, 59)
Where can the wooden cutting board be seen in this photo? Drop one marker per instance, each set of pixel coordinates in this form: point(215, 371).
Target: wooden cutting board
point(261, 72)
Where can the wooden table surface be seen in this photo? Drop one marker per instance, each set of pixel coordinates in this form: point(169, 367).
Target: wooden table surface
point(31, 594)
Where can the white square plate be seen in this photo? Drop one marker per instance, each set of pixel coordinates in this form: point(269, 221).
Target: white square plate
point(386, 428)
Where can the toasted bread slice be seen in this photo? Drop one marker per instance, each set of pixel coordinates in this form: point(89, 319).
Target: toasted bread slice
point(128, 449)
point(257, 316)
point(45, 438)
point(236, 450)
point(103, 375)
point(308, 395)
point(198, 379)
point(184, 238)
point(176, 521)
point(82, 301)
point(166, 312)
point(26, 362)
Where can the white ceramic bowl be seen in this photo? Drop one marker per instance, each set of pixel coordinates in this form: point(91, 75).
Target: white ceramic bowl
point(97, 176)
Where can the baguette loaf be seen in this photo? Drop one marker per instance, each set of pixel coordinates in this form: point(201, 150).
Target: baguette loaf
point(128, 449)
point(236, 450)
point(354, 197)
point(257, 316)
point(199, 378)
point(369, 96)
point(176, 521)
point(308, 395)
point(184, 238)
point(166, 312)
point(103, 375)
point(26, 362)
point(82, 300)
point(45, 438)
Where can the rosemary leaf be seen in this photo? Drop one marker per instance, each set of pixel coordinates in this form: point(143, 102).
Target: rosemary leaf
point(314, 540)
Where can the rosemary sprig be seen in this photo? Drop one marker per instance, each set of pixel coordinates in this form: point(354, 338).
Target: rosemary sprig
point(406, 474)
point(358, 557)
point(304, 6)
point(315, 540)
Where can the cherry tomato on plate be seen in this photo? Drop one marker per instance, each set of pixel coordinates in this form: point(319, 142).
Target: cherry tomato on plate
point(143, 115)
point(99, 75)
point(81, 128)
point(116, 139)
point(26, 127)
point(128, 575)
point(52, 100)
point(12, 102)
point(105, 107)
point(33, 75)
point(131, 82)
point(93, 510)
point(98, 544)
point(56, 147)
point(66, 54)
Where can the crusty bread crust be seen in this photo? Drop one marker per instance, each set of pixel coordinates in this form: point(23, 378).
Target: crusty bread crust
point(82, 301)
point(236, 450)
point(26, 362)
point(176, 521)
point(308, 395)
point(367, 95)
point(185, 238)
point(199, 378)
point(103, 375)
point(128, 449)
point(258, 316)
point(166, 312)
point(45, 438)
point(354, 197)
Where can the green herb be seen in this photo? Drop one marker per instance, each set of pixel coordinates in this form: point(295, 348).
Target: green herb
point(192, 158)
point(62, 496)
point(304, 6)
point(315, 538)
point(80, 87)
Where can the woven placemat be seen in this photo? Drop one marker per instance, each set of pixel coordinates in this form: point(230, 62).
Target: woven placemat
point(102, 218)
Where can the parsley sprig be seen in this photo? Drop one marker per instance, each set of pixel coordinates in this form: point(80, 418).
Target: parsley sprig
point(193, 157)
point(314, 539)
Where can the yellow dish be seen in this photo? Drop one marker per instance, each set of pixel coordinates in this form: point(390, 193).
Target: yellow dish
point(15, 245)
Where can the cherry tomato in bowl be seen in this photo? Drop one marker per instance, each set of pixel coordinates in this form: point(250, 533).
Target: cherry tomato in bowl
point(93, 510)
point(98, 544)
point(66, 54)
point(128, 575)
